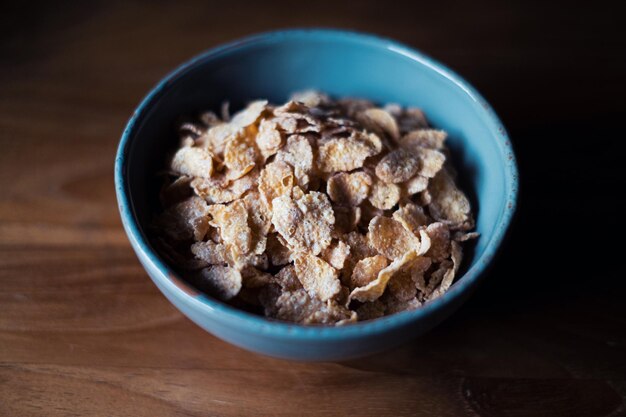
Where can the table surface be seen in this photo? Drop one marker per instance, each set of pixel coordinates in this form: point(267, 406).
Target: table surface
point(83, 331)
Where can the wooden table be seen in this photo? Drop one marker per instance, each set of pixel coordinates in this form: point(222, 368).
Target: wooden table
point(83, 331)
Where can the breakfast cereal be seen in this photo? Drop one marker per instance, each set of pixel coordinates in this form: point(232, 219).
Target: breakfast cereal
point(316, 211)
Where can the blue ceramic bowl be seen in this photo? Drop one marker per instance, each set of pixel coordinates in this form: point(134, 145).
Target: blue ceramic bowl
point(272, 65)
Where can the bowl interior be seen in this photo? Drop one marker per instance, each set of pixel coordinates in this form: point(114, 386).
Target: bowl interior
point(341, 64)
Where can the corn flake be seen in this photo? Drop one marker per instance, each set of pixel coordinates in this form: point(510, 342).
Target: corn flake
point(424, 138)
point(269, 139)
point(232, 221)
point(259, 220)
point(461, 236)
point(431, 162)
point(249, 115)
point(376, 288)
point(185, 220)
point(210, 252)
point(224, 282)
point(305, 223)
point(310, 98)
point(390, 238)
point(439, 235)
point(411, 216)
point(298, 153)
point(397, 166)
point(349, 189)
point(359, 246)
point(275, 180)
point(383, 195)
point(222, 190)
point(450, 272)
point(318, 277)
point(336, 254)
point(240, 156)
point(194, 162)
point(347, 154)
point(448, 203)
point(216, 138)
point(380, 122)
point(415, 185)
point(366, 270)
point(299, 307)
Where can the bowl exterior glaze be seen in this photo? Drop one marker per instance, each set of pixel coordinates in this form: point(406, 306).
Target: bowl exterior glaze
point(341, 63)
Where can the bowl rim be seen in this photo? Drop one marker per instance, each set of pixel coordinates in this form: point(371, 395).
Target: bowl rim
point(241, 319)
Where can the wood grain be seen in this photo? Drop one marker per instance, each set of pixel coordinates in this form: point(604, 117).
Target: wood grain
point(84, 332)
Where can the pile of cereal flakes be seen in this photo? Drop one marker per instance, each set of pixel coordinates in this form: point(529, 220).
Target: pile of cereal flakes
point(318, 211)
